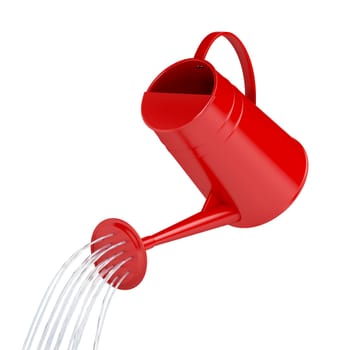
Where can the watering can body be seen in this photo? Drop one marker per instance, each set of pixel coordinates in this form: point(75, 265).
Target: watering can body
point(234, 153)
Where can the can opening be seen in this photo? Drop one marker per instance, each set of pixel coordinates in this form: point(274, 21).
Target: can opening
point(189, 77)
point(178, 94)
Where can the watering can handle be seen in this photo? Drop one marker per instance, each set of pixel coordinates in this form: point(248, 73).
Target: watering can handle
point(247, 67)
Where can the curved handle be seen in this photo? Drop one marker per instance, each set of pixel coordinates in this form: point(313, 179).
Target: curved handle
point(247, 67)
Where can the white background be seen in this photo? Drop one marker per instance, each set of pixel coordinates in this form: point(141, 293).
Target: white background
point(74, 150)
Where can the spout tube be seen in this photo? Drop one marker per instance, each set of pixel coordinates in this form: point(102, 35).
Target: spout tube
point(202, 221)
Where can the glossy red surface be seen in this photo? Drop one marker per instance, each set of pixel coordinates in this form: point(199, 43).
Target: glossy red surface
point(248, 169)
point(228, 147)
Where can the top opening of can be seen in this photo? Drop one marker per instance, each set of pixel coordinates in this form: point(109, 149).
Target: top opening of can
point(178, 95)
point(186, 77)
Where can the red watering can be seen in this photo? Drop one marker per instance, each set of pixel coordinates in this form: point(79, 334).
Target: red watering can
point(248, 169)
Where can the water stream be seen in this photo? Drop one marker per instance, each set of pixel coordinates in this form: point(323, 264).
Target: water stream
point(75, 290)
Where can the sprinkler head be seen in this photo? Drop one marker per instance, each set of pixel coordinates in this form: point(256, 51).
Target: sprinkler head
point(117, 231)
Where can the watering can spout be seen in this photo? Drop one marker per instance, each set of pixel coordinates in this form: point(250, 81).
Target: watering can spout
point(207, 219)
